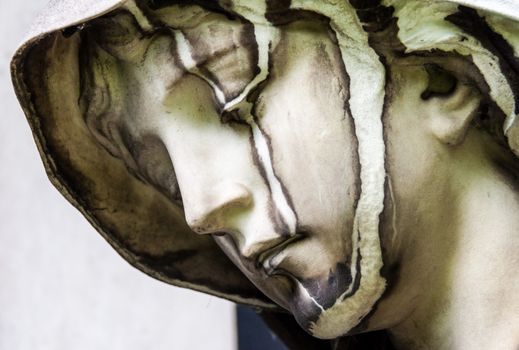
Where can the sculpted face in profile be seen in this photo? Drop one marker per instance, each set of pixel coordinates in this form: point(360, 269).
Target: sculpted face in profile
point(354, 159)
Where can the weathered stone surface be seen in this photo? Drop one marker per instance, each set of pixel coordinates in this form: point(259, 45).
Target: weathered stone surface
point(356, 161)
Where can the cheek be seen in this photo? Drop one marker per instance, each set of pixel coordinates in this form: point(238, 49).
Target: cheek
point(410, 140)
point(216, 164)
point(154, 164)
point(313, 139)
point(205, 152)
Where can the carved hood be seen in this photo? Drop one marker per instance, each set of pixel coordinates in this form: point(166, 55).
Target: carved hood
point(138, 221)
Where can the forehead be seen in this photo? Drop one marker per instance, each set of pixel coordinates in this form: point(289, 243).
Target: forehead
point(225, 50)
point(232, 45)
point(220, 45)
point(253, 10)
point(224, 43)
point(189, 15)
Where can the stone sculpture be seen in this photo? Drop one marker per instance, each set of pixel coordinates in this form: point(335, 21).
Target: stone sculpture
point(355, 160)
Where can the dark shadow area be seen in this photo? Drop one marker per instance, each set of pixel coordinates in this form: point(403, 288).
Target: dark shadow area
point(279, 331)
point(253, 333)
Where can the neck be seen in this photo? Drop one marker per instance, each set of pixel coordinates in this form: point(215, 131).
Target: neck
point(458, 281)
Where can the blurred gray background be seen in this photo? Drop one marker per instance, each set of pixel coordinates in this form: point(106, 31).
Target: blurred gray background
point(61, 286)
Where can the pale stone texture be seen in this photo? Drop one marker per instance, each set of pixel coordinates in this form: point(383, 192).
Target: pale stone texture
point(62, 286)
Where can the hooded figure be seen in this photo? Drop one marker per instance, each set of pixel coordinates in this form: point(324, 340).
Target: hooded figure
point(90, 163)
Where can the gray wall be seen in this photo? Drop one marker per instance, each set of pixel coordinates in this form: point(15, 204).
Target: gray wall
point(61, 285)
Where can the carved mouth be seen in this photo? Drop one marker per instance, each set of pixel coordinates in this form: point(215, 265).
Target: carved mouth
point(267, 259)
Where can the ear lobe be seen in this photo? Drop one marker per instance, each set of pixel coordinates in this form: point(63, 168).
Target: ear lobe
point(450, 116)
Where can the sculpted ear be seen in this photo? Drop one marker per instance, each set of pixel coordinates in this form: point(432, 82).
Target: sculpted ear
point(451, 104)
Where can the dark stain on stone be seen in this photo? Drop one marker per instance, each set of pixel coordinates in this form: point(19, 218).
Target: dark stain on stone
point(391, 274)
point(276, 9)
point(256, 160)
point(248, 40)
point(327, 289)
point(358, 275)
point(284, 190)
point(214, 79)
point(255, 93)
point(286, 16)
point(468, 20)
point(346, 79)
point(119, 24)
point(232, 117)
point(253, 97)
point(374, 16)
point(380, 24)
point(364, 4)
point(390, 270)
point(508, 167)
point(278, 5)
point(177, 61)
point(385, 216)
point(491, 118)
point(210, 5)
point(274, 215)
point(308, 311)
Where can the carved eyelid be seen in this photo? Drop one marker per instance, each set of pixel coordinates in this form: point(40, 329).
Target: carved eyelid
point(186, 58)
point(237, 104)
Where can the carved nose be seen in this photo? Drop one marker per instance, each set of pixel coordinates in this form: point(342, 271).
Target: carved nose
point(220, 208)
point(211, 213)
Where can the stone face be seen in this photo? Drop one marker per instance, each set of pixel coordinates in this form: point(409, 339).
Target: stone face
point(340, 154)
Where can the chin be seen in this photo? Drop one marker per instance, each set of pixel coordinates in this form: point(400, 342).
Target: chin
point(340, 319)
point(309, 313)
point(304, 308)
